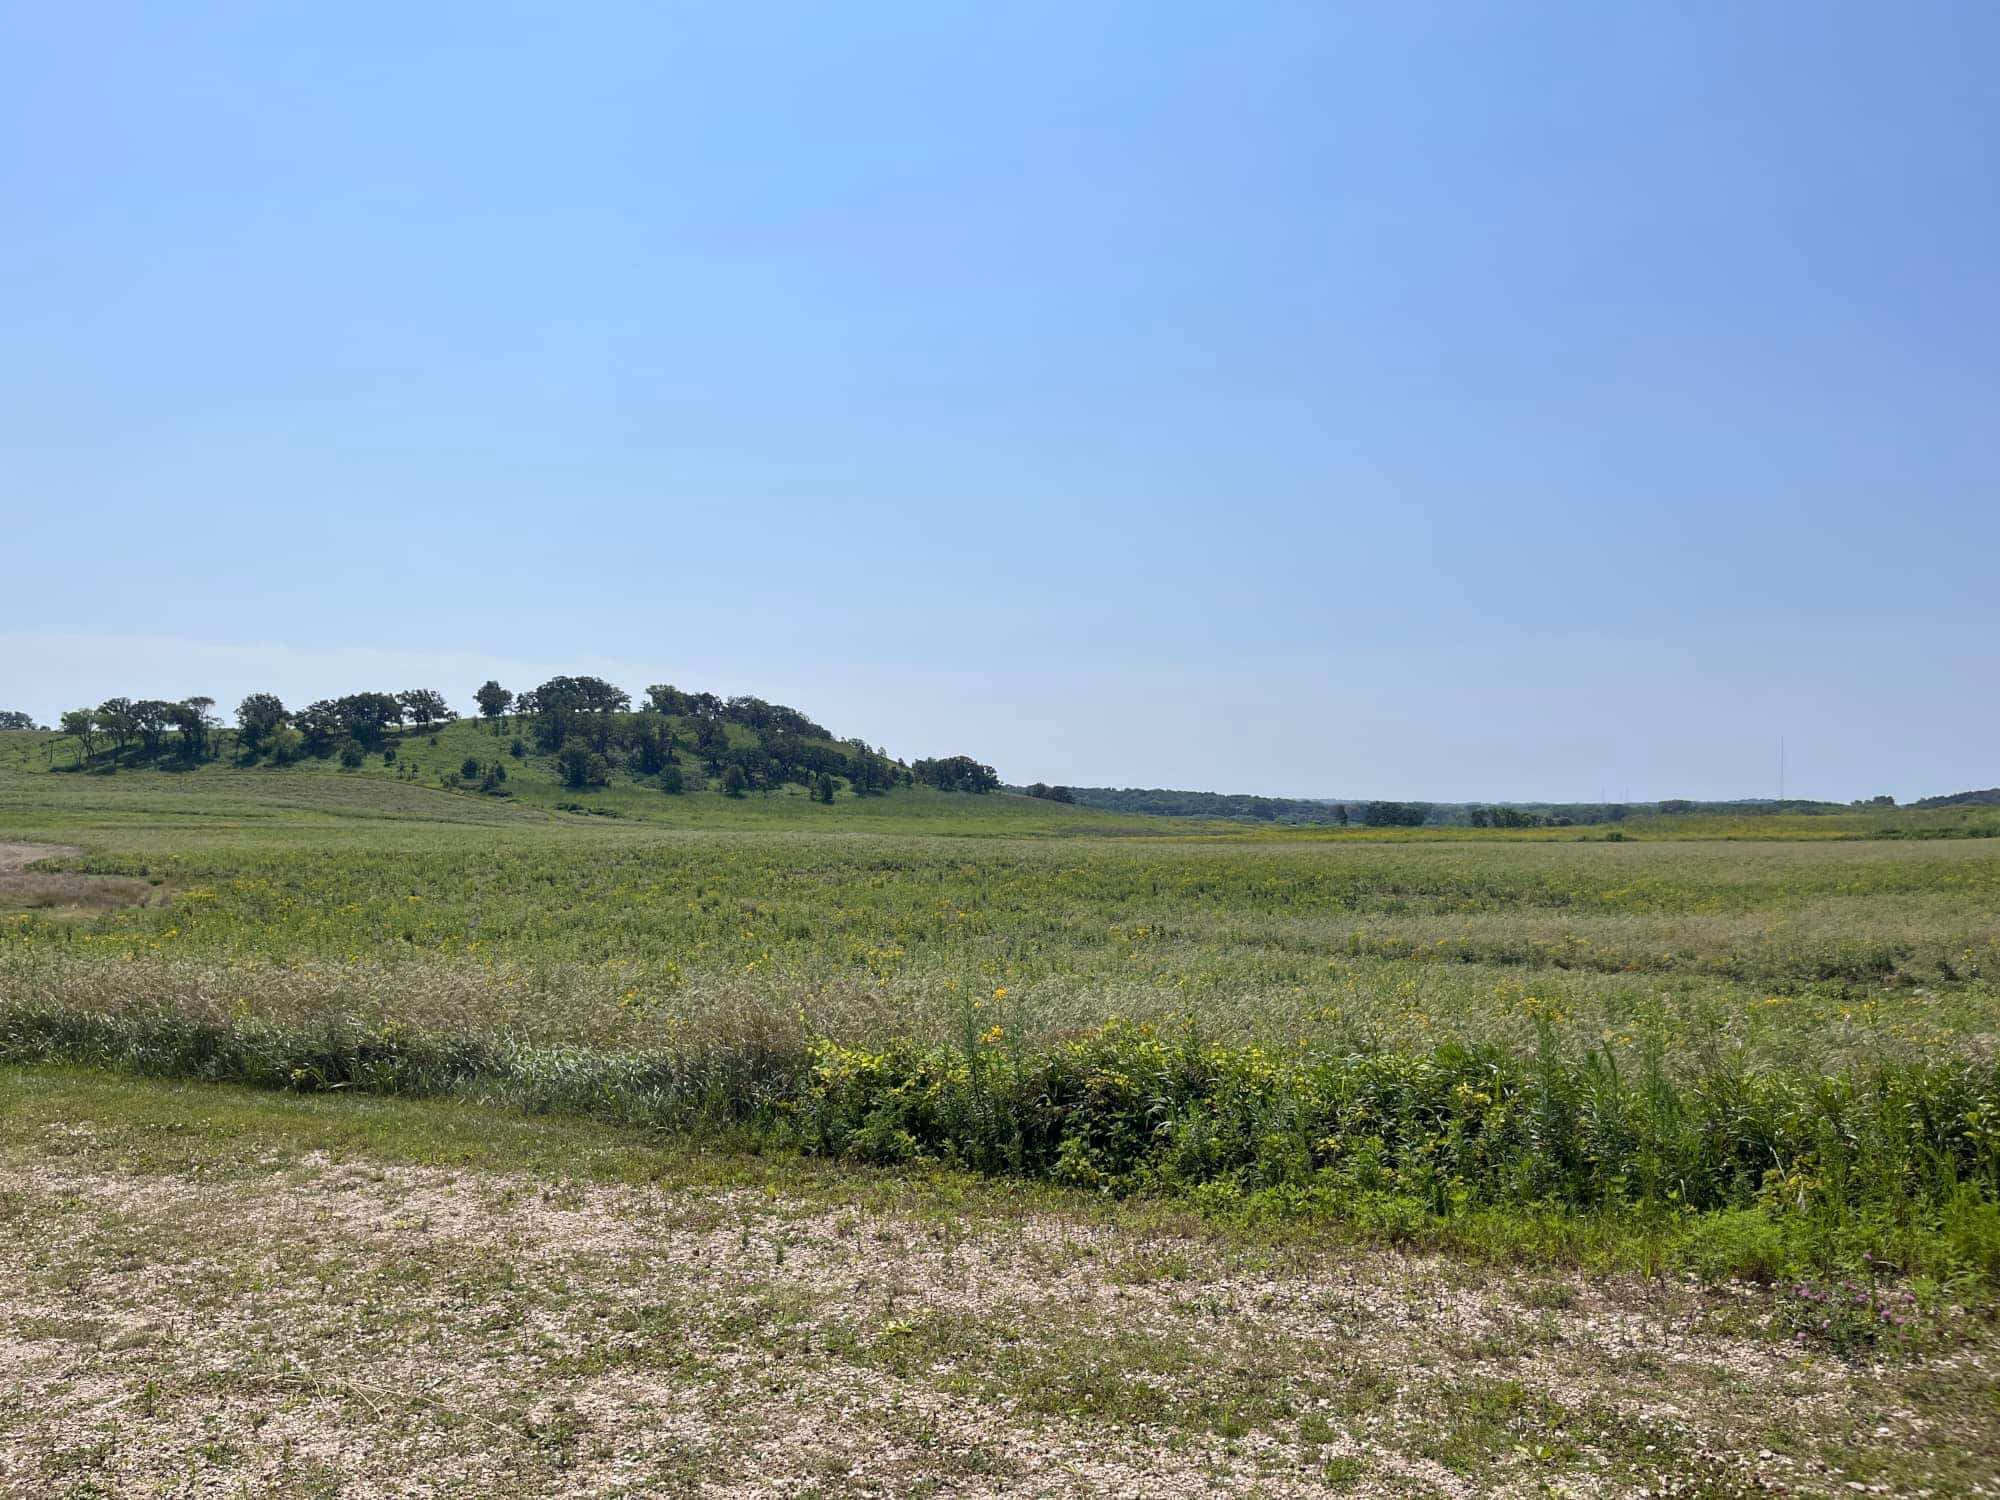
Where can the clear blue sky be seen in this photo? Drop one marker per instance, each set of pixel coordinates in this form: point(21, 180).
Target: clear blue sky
point(1437, 401)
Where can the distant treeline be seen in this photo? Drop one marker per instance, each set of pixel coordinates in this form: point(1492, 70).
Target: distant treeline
point(1239, 807)
point(1988, 798)
point(1244, 808)
point(1380, 814)
point(586, 724)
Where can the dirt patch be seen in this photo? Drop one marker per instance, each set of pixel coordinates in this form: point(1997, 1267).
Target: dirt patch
point(26, 889)
point(591, 1340)
point(18, 856)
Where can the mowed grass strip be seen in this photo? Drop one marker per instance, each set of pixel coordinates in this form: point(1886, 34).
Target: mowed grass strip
point(336, 1295)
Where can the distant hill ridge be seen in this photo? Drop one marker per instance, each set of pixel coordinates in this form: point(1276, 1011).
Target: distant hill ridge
point(1990, 797)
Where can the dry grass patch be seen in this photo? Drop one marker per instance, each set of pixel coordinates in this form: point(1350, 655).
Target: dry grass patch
point(23, 888)
point(263, 1310)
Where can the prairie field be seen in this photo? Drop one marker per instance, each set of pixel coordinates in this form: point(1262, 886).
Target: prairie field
point(946, 1144)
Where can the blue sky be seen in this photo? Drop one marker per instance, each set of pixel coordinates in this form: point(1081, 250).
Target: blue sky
point(1438, 401)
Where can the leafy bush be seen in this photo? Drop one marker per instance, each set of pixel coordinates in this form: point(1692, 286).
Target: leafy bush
point(352, 755)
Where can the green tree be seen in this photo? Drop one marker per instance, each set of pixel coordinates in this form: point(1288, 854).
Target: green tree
point(424, 707)
point(711, 743)
point(580, 766)
point(650, 746)
point(284, 744)
point(153, 718)
point(868, 771)
point(956, 773)
point(823, 788)
point(493, 701)
point(115, 717)
point(81, 725)
point(671, 780)
point(318, 724)
point(1396, 814)
point(734, 781)
point(13, 718)
point(566, 705)
point(193, 725)
point(366, 716)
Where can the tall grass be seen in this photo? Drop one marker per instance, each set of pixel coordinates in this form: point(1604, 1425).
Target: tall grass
point(1130, 1108)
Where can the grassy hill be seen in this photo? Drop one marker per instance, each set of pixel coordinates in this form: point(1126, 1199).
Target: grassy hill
point(44, 786)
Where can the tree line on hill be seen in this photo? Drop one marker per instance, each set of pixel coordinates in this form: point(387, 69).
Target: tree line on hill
point(1990, 797)
point(1236, 807)
point(676, 740)
point(1374, 813)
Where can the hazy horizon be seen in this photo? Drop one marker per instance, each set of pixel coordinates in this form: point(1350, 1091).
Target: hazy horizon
point(1444, 404)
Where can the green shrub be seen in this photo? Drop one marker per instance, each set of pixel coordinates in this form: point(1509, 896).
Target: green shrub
point(1742, 1244)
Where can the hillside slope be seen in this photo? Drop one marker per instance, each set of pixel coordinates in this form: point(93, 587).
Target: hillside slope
point(44, 789)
